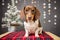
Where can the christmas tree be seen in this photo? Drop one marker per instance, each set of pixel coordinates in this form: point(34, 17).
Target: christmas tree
point(12, 17)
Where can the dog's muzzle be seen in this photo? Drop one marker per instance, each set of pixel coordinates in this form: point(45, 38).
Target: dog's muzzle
point(29, 18)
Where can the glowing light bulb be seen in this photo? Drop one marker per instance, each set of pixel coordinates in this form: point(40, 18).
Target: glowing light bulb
point(44, 14)
point(44, 17)
point(49, 4)
point(49, 20)
point(55, 23)
point(55, 8)
point(3, 4)
point(44, 3)
point(16, 1)
point(54, 1)
point(49, 10)
point(55, 16)
point(44, 7)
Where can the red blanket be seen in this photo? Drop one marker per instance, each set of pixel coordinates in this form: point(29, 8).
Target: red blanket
point(20, 36)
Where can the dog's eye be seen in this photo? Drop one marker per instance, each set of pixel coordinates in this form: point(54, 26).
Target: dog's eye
point(32, 10)
point(26, 10)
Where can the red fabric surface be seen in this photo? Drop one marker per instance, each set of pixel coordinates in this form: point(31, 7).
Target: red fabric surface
point(20, 36)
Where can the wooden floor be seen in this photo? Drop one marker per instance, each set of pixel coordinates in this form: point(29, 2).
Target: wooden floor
point(52, 35)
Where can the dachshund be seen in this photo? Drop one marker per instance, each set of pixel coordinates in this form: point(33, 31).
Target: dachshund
point(31, 16)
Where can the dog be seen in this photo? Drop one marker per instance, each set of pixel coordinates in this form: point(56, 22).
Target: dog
point(31, 16)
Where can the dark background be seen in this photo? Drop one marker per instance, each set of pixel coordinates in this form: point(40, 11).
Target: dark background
point(46, 26)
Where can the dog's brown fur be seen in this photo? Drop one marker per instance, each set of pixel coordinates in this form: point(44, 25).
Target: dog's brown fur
point(31, 14)
point(32, 11)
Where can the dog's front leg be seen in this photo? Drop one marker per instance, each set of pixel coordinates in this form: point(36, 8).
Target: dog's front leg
point(26, 33)
point(36, 33)
point(40, 31)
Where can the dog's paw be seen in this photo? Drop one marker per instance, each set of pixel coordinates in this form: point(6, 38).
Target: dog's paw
point(36, 35)
point(25, 35)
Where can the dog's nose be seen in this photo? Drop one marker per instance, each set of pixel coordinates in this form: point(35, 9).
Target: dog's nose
point(29, 18)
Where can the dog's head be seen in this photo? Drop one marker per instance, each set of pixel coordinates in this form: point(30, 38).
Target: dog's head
point(30, 13)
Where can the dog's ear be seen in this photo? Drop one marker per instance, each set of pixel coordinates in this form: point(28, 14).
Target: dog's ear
point(22, 14)
point(37, 15)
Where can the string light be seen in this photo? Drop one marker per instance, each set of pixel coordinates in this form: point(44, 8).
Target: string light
point(16, 1)
point(49, 4)
point(44, 14)
point(55, 23)
point(49, 20)
point(55, 16)
point(54, 1)
point(9, 6)
point(55, 8)
point(3, 4)
point(44, 5)
point(44, 17)
point(49, 10)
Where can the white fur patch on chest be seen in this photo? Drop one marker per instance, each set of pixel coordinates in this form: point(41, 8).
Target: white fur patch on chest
point(31, 26)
